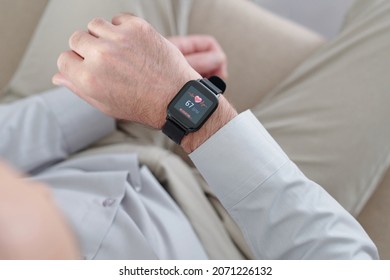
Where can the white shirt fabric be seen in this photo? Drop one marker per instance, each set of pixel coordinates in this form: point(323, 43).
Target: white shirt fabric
point(118, 210)
point(282, 214)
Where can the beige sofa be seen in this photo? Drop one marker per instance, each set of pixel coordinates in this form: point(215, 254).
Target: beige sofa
point(19, 18)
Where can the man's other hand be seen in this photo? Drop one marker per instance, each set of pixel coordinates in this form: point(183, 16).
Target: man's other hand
point(203, 53)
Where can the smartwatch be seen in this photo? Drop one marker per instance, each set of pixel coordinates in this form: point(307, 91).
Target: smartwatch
point(192, 106)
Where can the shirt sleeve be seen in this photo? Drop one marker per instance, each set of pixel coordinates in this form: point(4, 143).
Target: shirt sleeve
point(40, 130)
point(281, 213)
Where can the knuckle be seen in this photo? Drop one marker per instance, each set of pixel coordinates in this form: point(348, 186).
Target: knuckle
point(62, 61)
point(75, 38)
point(139, 24)
point(97, 54)
point(121, 18)
point(213, 42)
point(97, 22)
point(87, 79)
point(121, 37)
point(101, 53)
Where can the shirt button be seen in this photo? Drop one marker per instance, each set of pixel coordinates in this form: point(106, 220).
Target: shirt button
point(108, 202)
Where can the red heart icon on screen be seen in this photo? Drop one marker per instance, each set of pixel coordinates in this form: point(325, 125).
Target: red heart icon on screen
point(198, 99)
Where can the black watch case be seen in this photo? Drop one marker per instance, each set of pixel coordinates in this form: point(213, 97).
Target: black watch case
point(192, 106)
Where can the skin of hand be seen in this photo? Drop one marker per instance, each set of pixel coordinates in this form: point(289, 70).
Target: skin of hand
point(203, 53)
point(129, 71)
point(31, 225)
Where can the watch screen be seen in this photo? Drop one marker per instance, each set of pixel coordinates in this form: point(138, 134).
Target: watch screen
point(193, 105)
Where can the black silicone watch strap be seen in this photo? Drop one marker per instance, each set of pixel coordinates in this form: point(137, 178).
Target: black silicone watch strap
point(215, 84)
point(173, 131)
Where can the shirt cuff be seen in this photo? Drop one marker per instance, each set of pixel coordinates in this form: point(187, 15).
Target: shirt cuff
point(81, 124)
point(239, 158)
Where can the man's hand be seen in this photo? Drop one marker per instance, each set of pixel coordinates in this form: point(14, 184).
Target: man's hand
point(129, 71)
point(203, 53)
point(124, 68)
point(31, 225)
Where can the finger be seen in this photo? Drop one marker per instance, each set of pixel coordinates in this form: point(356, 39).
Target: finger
point(60, 80)
point(195, 43)
point(101, 28)
point(206, 62)
point(70, 65)
point(121, 18)
point(220, 72)
point(81, 42)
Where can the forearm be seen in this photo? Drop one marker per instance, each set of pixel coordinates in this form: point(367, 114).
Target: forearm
point(218, 119)
point(38, 131)
point(281, 213)
point(291, 217)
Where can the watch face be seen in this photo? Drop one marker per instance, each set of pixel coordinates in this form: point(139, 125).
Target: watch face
point(193, 105)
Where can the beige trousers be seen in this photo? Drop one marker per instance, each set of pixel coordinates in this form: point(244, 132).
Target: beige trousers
point(325, 104)
point(330, 114)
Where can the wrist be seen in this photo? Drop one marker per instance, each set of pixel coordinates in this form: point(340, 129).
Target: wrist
point(222, 115)
point(196, 112)
point(177, 85)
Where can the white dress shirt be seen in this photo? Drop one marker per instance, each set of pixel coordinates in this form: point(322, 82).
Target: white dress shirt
point(118, 210)
point(116, 207)
point(282, 214)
